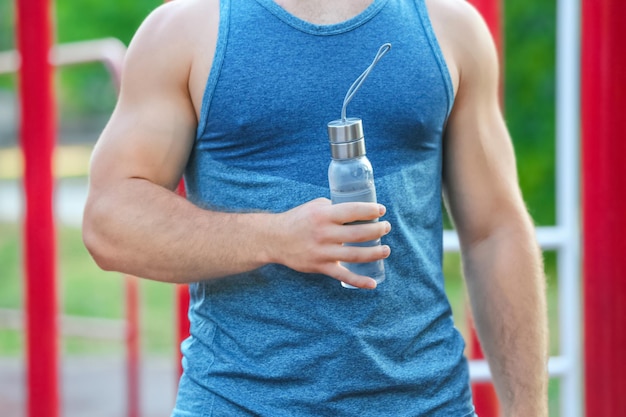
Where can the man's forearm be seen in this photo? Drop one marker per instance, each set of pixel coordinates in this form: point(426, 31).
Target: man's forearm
point(504, 273)
point(146, 230)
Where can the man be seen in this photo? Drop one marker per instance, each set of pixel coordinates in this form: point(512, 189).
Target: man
point(236, 95)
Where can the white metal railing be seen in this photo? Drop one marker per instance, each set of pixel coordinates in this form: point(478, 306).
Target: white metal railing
point(89, 327)
point(109, 51)
point(568, 202)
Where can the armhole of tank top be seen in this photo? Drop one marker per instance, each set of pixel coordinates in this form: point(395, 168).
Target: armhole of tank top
point(216, 65)
point(436, 50)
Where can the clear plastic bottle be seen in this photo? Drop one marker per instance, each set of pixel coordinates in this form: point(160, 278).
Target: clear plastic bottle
point(351, 179)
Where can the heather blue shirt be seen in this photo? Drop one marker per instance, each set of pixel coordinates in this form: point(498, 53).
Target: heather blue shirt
point(275, 342)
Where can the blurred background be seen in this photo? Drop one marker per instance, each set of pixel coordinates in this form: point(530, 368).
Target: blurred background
point(93, 363)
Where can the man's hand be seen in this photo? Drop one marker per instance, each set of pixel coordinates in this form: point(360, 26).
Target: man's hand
point(309, 238)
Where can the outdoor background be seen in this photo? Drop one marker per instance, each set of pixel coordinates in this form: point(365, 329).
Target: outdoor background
point(86, 97)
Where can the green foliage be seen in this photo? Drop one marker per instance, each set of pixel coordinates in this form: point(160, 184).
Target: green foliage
point(88, 89)
point(85, 90)
point(530, 99)
point(6, 25)
point(7, 39)
point(10, 268)
point(91, 19)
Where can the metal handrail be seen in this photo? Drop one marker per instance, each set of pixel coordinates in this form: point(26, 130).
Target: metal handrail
point(109, 51)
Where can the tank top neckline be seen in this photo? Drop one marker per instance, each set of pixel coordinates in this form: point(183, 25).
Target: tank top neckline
point(332, 29)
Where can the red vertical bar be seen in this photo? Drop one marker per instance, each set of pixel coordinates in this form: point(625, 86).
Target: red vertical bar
point(485, 399)
point(132, 345)
point(182, 298)
point(604, 205)
point(37, 133)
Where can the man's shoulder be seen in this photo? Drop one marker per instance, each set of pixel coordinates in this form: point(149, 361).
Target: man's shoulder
point(460, 11)
point(459, 24)
point(463, 35)
point(171, 36)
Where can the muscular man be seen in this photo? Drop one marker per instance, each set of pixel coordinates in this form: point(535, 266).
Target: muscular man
point(235, 96)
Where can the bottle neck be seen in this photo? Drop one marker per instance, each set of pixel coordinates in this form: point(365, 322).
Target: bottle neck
point(347, 150)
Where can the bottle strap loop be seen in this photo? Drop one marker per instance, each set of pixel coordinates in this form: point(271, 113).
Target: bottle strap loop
point(359, 81)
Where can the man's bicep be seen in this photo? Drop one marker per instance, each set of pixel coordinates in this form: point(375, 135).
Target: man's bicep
point(479, 171)
point(143, 145)
point(480, 179)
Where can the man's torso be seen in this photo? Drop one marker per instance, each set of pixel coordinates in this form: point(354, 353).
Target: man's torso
point(277, 341)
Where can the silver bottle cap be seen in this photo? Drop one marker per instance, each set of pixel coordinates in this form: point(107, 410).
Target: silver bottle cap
point(346, 138)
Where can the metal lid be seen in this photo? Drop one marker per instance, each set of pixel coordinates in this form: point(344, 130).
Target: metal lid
point(348, 130)
point(346, 138)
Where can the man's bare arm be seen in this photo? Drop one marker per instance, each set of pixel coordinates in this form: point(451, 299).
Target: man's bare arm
point(135, 223)
point(501, 259)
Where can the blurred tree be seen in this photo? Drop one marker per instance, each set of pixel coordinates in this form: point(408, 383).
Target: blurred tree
point(6, 25)
point(7, 39)
point(87, 89)
point(530, 99)
point(91, 19)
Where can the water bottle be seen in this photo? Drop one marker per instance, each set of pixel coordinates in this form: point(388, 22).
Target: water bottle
point(351, 178)
point(350, 173)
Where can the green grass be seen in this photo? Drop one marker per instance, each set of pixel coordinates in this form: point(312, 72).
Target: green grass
point(85, 290)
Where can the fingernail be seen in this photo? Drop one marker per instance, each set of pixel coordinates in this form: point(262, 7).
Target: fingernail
point(382, 209)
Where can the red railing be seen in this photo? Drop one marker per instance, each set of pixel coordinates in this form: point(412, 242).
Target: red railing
point(37, 134)
point(604, 204)
point(34, 62)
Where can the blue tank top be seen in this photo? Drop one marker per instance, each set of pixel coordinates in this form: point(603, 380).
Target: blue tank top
point(275, 342)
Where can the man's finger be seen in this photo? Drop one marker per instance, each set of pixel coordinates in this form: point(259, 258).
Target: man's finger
point(363, 254)
point(365, 232)
point(351, 212)
point(344, 275)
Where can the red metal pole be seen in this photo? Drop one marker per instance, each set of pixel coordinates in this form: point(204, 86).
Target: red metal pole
point(182, 298)
point(37, 132)
point(132, 345)
point(604, 205)
point(484, 394)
